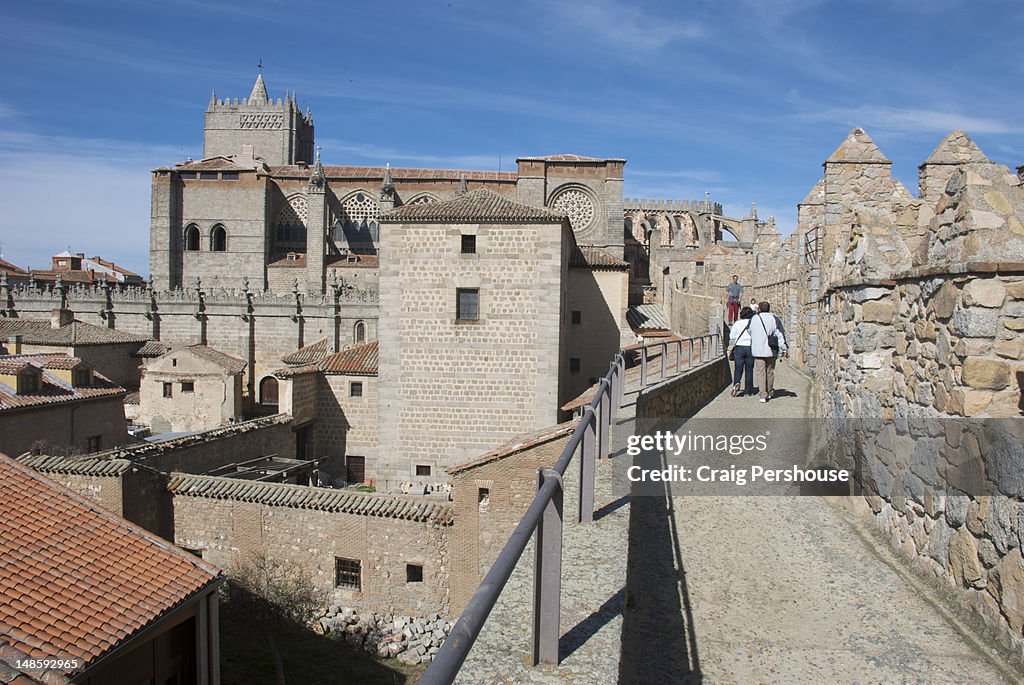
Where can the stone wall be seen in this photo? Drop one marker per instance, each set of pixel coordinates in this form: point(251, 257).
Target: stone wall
point(227, 530)
point(347, 425)
point(67, 424)
point(683, 395)
point(692, 315)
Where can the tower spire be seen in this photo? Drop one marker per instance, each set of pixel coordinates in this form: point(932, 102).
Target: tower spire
point(316, 179)
point(259, 90)
point(387, 185)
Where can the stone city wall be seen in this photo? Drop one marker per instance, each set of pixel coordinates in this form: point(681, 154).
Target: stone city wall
point(683, 395)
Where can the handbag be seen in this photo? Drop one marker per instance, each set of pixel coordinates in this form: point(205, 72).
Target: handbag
point(732, 346)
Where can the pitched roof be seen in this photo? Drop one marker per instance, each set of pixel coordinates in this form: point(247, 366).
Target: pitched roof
point(78, 581)
point(956, 148)
point(585, 256)
point(518, 444)
point(310, 354)
point(152, 348)
point(52, 390)
point(817, 194)
point(75, 333)
point(220, 163)
point(647, 317)
point(357, 360)
point(566, 158)
point(474, 207)
point(259, 91)
point(858, 148)
point(84, 465)
point(307, 497)
point(11, 268)
point(233, 365)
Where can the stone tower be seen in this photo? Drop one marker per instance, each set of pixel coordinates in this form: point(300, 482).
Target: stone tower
point(277, 131)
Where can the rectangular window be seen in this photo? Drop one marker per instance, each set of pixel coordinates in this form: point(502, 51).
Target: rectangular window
point(413, 573)
point(355, 389)
point(188, 386)
point(229, 175)
point(208, 175)
point(187, 174)
point(469, 244)
point(467, 304)
point(94, 444)
point(422, 469)
point(482, 495)
point(577, 316)
point(347, 573)
point(29, 383)
point(355, 469)
point(168, 392)
point(574, 364)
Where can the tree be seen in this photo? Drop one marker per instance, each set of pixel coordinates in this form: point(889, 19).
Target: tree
point(274, 596)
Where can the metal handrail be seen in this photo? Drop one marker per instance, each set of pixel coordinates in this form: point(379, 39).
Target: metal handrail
point(544, 516)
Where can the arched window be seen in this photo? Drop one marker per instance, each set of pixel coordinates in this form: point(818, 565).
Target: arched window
point(192, 238)
point(360, 332)
point(268, 391)
point(218, 239)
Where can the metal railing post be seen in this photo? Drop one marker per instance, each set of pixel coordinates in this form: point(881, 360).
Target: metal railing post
point(621, 360)
point(547, 576)
point(664, 360)
point(643, 367)
point(588, 453)
point(605, 418)
point(701, 358)
point(679, 356)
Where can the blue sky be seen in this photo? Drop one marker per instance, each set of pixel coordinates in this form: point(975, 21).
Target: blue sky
point(743, 99)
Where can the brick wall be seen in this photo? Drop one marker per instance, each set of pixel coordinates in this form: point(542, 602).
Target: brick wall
point(70, 424)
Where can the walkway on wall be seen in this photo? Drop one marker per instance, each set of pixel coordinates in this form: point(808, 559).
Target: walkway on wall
point(779, 589)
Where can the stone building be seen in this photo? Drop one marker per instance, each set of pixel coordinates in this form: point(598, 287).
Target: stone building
point(60, 402)
point(190, 389)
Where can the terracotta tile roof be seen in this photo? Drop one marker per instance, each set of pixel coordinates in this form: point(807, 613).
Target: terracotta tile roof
point(567, 158)
point(151, 449)
point(219, 163)
point(473, 207)
point(152, 348)
point(645, 317)
point(307, 497)
point(373, 173)
point(11, 268)
point(596, 258)
point(357, 360)
point(77, 581)
point(52, 389)
point(84, 465)
point(353, 260)
point(518, 444)
point(292, 371)
point(73, 276)
point(233, 365)
point(133, 397)
point(75, 333)
point(298, 262)
point(310, 354)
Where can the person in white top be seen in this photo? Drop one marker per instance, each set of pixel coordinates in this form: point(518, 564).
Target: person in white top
point(767, 341)
point(739, 340)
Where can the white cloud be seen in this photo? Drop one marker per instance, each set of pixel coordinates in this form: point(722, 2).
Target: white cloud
point(910, 120)
point(623, 25)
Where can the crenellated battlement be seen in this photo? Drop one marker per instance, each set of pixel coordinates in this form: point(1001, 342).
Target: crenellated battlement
point(653, 205)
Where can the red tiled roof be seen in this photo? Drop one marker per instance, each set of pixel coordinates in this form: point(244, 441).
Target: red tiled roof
point(77, 581)
point(596, 258)
point(310, 354)
point(218, 164)
point(52, 390)
point(518, 444)
point(11, 268)
point(567, 158)
point(357, 360)
point(473, 207)
point(233, 365)
point(397, 174)
point(36, 332)
point(152, 348)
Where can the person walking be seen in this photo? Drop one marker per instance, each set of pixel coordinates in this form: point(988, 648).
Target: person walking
point(733, 293)
point(767, 342)
point(739, 346)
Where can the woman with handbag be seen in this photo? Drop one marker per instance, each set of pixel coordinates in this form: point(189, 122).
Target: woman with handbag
point(767, 341)
point(739, 352)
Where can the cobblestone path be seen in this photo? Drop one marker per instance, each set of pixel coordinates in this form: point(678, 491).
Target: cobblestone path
point(783, 589)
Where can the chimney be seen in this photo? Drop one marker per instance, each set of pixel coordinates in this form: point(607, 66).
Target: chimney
point(61, 317)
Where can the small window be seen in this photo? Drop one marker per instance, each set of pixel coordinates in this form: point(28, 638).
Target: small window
point(469, 244)
point(482, 495)
point(94, 444)
point(168, 390)
point(187, 174)
point(229, 175)
point(292, 257)
point(268, 392)
point(347, 573)
point(355, 389)
point(62, 262)
point(29, 383)
point(174, 362)
point(355, 469)
point(208, 175)
point(413, 573)
point(360, 332)
point(467, 304)
point(188, 386)
point(422, 469)
point(577, 316)
point(192, 238)
point(218, 239)
point(81, 377)
point(574, 364)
